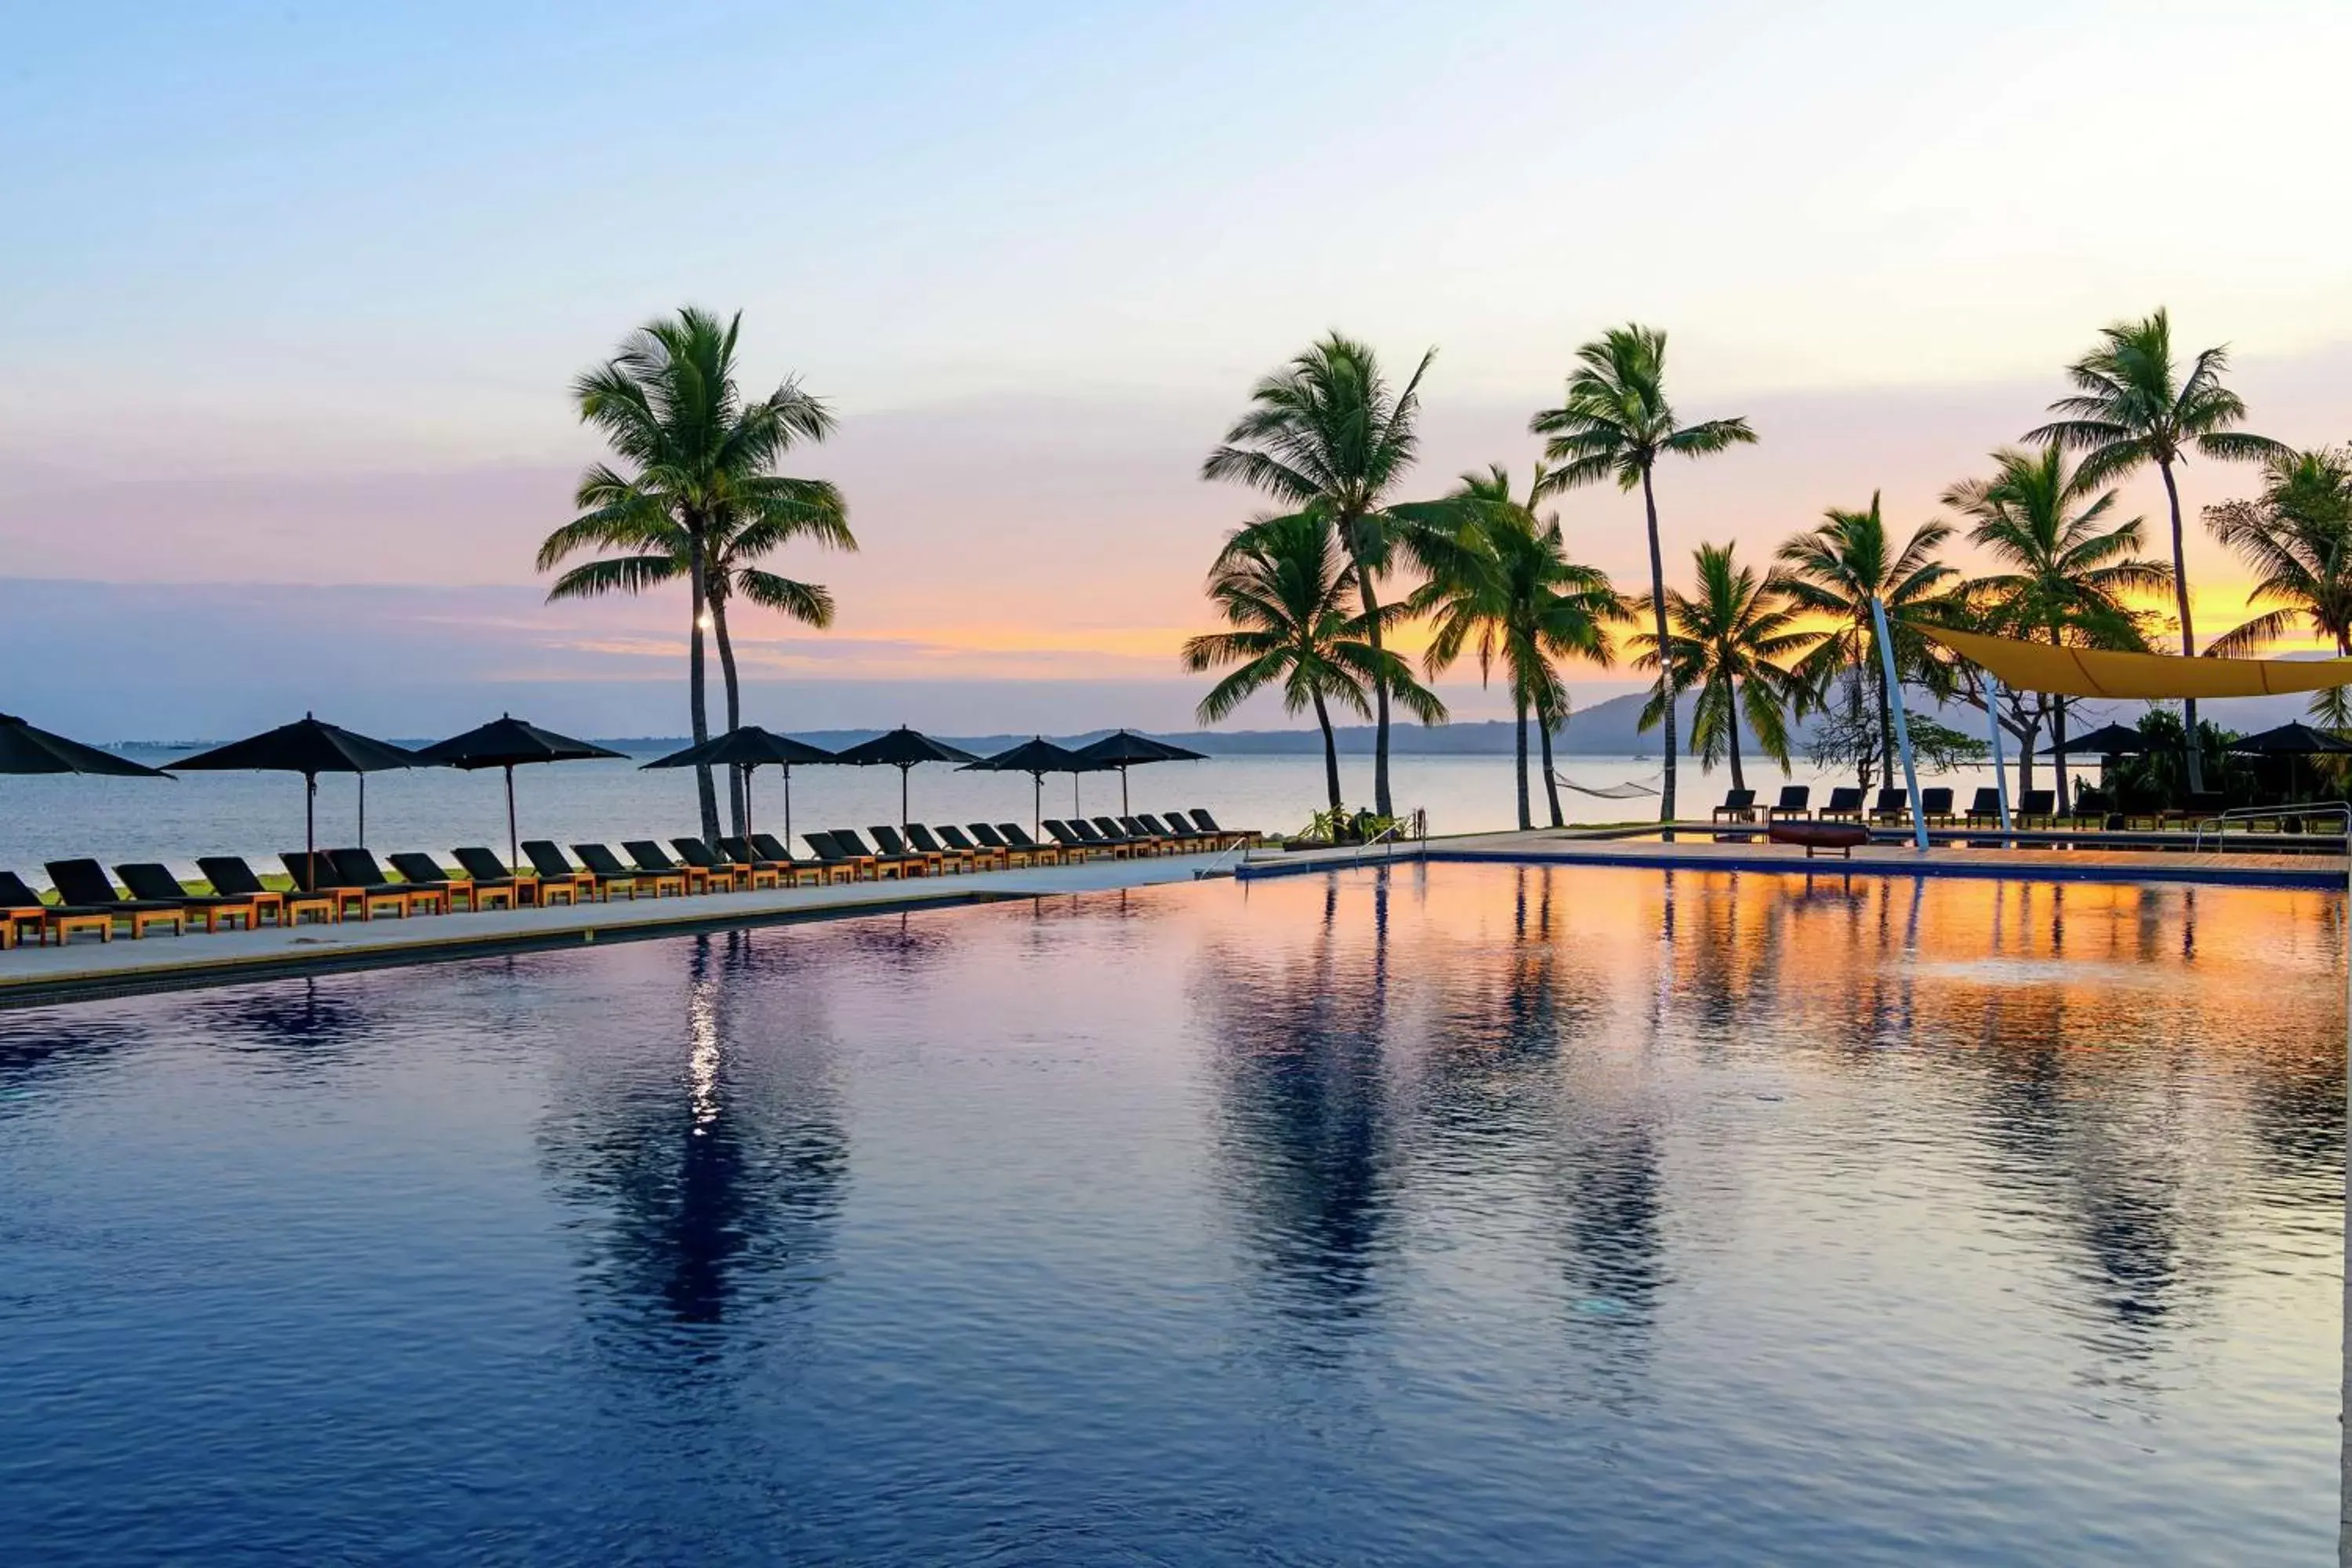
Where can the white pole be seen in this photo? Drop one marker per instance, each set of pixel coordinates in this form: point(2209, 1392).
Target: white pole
point(2000, 763)
point(1902, 723)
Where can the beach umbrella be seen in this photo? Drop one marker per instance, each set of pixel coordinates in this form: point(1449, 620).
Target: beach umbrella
point(26, 749)
point(508, 743)
point(1122, 749)
point(1036, 758)
point(750, 748)
point(2292, 740)
point(2106, 741)
point(904, 750)
point(310, 747)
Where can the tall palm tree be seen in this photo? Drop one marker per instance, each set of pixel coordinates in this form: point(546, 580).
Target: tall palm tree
point(1510, 594)
point(2132, 407)
point(2297, 538)
point(1282, 584)
point(1327, 432)
point(1833, 572)
point(2070, 564)
point(663, 553)
point(696, 458)
point(1615, 422)
point(1734, 639)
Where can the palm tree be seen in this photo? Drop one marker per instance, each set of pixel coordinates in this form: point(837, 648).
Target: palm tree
point(2297, 538)
point(1835, 572)
point(1282, 584)
point(2132, 407)
point(667, 404)
point(1326, 432)
point(1732, 639)
point(1615, 422)
point(2070, 567)
point(1510, 594)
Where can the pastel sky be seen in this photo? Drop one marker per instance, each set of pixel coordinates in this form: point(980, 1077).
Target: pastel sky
point(292, 293)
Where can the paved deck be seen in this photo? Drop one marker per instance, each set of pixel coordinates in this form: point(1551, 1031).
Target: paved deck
point(30, 977)
point(1697, 850)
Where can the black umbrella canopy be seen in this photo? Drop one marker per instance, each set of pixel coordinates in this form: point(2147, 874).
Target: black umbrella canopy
point(1036, 758)
point(507, 742)
point(902, 749)
point(2106, 741)
point(310, 747)
point(749, 748)
point(27, 749)
point(1122, 749)
point(2296, 739)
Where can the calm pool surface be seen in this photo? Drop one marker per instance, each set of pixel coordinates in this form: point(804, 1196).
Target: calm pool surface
point(1467, 1214)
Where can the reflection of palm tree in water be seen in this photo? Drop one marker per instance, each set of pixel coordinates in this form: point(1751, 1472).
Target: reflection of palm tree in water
point(716, 1187)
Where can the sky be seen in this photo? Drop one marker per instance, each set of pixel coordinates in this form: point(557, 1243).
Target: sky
point(293, 294)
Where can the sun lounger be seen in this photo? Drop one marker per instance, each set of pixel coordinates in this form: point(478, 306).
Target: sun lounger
point(1226, 837)
point(150, 882)
point(650, 856)
point(357, 869)
point(1796, 804)
point(1066, 834)
point(1739, 804)
point(1892, 806)
point(488, 870)
point(1845, 804)
point(609, 869)
point(423, 870)
point(848, 841)
point(1936, 805)
point(960, 858)
point(314, 872)
point(1984, 809)
point(771, 847)
point(1184, 841)
point(984, 857)
point(230, 875)
point(862, 864)
point(1017, 836)
point(747, 857)
point(740, 873)
point(989, 836)
point(556, 869)
point(27, 911)
point(2039, 806)
point(1116, 830)
point(85, 883)
point(933, 864)
point(1162, 841)
point(1083, 834)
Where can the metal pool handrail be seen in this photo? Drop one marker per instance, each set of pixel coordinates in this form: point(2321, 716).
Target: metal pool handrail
point(2221, 825)
point(1394, 833)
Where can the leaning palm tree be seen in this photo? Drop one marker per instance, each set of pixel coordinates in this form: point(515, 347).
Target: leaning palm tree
point(2072, 568)
point(2296, 536)
point(2132, 407)
point(1509, 594)
point(1283, 585)
point(1735, 640)
point(696, 463)
point(1833, 572)
point(1328, 432)
point(1615, 422)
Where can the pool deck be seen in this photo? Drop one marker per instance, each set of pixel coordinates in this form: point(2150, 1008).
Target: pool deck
point(31, 977)
point(2048, 860)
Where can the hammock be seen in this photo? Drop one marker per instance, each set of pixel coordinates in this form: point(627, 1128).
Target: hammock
point(1606, 792)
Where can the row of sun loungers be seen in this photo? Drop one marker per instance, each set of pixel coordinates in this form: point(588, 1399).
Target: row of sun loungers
point(2032, 808)
point(333, 885)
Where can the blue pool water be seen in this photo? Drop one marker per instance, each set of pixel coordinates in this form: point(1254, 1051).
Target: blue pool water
point(1467, 1214)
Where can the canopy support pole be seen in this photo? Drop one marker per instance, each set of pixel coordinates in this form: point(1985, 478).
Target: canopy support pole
point(788, 806)
point(513, 854)
point(1902, 723)
point(2000, 765)
point(363, 811)
point(745, 774)
point(310, 828)
point(1124, 809)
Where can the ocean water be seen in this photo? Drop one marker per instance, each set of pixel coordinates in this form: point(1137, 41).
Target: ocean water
point(438, 809)
point(1441, 1215)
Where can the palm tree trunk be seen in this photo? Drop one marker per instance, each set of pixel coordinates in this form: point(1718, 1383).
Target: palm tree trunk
point(735, 802)
point(1886, 717)
point(1519, 705)
point(2031, 728)
point(1658, 604)
point(2187, 634)
point(1731, 701)
point(1382, 805)
point(1331, 753)
point(2058, 732)
point(697, 688)
point(1551, 785)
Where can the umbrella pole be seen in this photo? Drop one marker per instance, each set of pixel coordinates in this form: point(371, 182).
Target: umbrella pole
point(902, 797)
point(363, 811)
point(1124, 809)
point(513, 854)
point(788, 806)
point(747, 805)
point(1038, 806)
point(310, 828)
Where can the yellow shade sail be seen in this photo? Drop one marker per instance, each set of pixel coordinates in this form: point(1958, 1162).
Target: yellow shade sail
point(2088, 672)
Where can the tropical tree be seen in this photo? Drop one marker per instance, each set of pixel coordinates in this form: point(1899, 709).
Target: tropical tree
point(1833, 572)
point(1615, 422)
point(1508, 595)
point(695, 475)
point(1327, 434)
point(2071, 566)
point(2296, 536)
point(1282, 584)
point(2133, 406)
point(1734, 640)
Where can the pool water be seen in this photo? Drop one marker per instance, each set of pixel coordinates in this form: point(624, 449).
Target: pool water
point(1457, 1214)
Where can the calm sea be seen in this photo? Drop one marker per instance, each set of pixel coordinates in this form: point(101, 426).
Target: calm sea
point(436, 809)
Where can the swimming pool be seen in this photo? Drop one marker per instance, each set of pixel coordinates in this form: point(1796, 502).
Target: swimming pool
point(1444, 1214)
